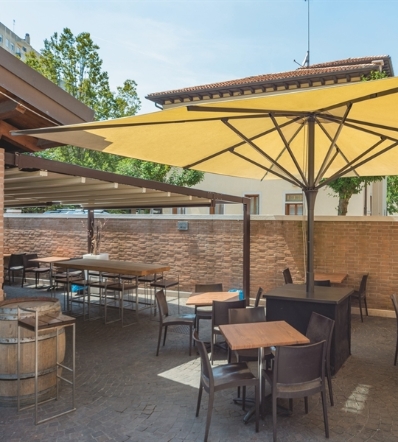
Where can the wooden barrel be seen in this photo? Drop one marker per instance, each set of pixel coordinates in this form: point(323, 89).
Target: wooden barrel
point(46, 349)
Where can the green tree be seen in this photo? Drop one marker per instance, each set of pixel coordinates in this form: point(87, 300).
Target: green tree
point(392, 194)
point(346, 187)
point(73, 63)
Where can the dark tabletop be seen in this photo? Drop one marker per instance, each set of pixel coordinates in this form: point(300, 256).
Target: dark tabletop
point(297, 292)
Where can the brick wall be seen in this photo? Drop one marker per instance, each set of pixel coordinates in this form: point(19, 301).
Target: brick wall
point(1, 218)
point(211, 250)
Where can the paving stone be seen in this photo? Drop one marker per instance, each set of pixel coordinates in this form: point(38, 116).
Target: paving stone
point(125, 393)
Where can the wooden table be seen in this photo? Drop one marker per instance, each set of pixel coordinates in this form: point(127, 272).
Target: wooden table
point(206, 299)
point(113, 266)
point(259, 335)
point(334, 278)
point(292, 304)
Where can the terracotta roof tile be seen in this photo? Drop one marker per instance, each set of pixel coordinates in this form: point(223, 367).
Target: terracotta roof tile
point(338, 66)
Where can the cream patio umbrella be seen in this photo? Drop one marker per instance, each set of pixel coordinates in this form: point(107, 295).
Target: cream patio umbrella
point(308, 138)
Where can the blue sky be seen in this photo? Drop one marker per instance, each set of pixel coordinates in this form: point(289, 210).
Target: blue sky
point(166, 45)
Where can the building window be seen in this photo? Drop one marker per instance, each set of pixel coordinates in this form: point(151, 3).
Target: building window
point(7, 43)
point(294, 204)
point(254, 204)
point(178, 210)
point(12, 47)
point(1, 38)
point(219, 209)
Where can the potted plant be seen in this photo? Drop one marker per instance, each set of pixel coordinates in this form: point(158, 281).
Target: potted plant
point(96, 237)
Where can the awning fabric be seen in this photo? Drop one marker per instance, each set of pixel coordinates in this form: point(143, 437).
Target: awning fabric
point(356, 132)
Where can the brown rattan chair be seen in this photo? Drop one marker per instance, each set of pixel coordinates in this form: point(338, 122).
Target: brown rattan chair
point(165, 320)
point(15, 265)
point(258, 297)
point(298, 371)
point(323, 283)
point(287, 276)
point(220, 317)
point(394, 299)
point(33, 267)
point(320, 328)
point(205, 312)
point(360, 294)
point(222, 377)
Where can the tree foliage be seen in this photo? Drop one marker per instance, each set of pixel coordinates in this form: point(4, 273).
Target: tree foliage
point(346, 187)
point(73, 63)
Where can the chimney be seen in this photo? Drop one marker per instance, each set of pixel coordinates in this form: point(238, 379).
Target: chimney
point(27, 38)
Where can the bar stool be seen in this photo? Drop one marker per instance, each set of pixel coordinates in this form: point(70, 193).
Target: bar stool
point(164, 284)
point(125, 284)
point(35, 325)
point(149, 292)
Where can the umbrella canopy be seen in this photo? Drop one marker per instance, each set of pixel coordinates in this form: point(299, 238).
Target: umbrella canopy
point(305, 137)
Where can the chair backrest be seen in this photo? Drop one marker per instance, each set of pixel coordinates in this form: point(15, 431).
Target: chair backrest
point(207, 372)
point(220, 310)
point(244, 315)
point(27, 259)
point(16, 260)
point(362, 286)
point(258, 297)
point(287, 276)
point(394, 299)
point(320, 328)
point(162, 304)
point(323, 283)
point(299, 364)
point(212, 287)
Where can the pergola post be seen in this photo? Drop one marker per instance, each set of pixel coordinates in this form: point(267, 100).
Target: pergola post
point(246, 252)
point(90, 230)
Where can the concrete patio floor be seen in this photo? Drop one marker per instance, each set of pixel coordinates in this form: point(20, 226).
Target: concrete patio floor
point(126, 393)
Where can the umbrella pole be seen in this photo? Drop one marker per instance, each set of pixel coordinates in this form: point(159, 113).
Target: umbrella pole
point(310, 195)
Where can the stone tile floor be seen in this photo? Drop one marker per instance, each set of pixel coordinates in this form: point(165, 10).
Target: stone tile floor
point(126, 393)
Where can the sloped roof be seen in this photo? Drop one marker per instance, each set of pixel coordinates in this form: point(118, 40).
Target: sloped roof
point(30, 181)
point(333, 72)
point(30, 101)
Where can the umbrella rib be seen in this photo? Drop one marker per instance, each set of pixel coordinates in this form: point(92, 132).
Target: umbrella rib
point(300, 128)
point(338, 150)
point(293, 181)
point(263, 112)
point(353, 125)
point(231, 148)
point(352, 166)
point(257, 149)
point(325, 161)
point(287, 147)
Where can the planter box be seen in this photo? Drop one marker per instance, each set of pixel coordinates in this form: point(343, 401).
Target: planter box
point(99, 256)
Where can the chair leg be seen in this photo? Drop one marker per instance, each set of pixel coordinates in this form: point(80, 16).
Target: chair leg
point(330, 387)
point(325, 413)
point(160, 337)
point(165, 334)
point(366, 305)
point(199, 398)
point(212, 347)
point(257, 399)
point(360, 307)
point(244, 397)
point(209, 412)
point(396, 352)
point(274, 406)
point(190, 340)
